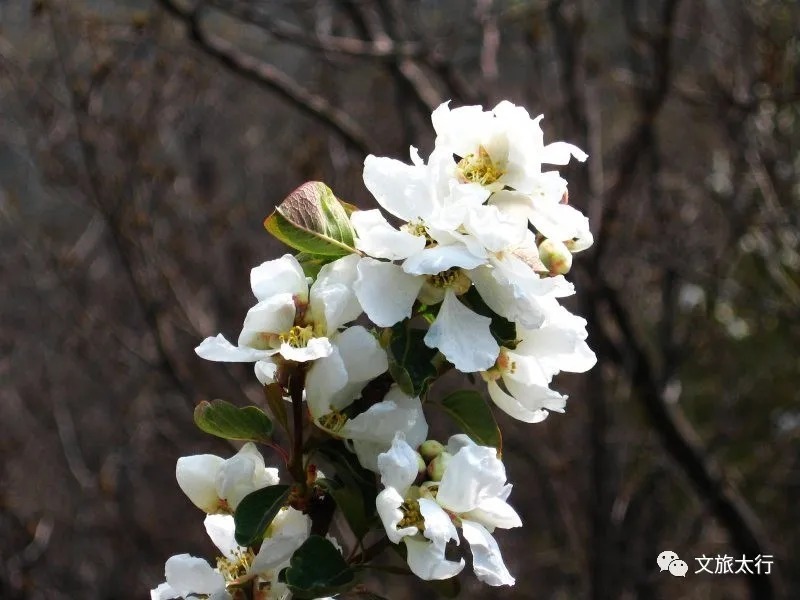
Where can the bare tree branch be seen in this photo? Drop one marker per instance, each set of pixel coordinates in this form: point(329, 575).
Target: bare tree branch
point(271, 78)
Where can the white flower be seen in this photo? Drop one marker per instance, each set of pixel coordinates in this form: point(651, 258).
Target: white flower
point(472, 492)
point(526, 371)
point(215, 485)
point(500, 148)
point(290, 319)
point(334, 381)
point(462, 335)
point(419, 193)
point(188, 576)
point(418, 522)
point(372, 432)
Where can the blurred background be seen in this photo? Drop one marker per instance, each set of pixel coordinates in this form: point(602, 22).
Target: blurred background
point(142, 142)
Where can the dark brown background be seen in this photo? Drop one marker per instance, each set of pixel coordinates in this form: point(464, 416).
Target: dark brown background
point(143, 142)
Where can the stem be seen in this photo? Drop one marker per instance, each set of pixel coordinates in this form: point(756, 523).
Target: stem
point(371, 552)
point(296, 384)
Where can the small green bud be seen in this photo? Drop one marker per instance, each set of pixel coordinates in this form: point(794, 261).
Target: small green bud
point(421, 466)
point(438, 465)
point(555, 256)
point(430, 449)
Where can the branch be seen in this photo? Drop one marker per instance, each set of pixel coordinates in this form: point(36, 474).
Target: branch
point(271, 78)
point(382, 48)
point(636, 144)
point(684, 446)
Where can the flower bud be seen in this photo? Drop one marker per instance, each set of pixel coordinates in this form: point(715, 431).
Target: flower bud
point(430, 449)
point(555, 256)
point(438, 465)
point(421, 466)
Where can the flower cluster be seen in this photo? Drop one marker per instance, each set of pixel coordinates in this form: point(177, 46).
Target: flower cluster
point(216, 486)
point(354, 329)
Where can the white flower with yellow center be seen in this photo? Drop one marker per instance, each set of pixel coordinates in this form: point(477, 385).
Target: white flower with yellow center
point(498, 149)
point(519, 382)
point(387, 294)
point(216, 485)
point(290, 319)
point(191, 577)
point(471, 494)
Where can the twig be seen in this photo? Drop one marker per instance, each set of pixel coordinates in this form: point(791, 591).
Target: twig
point(270, 77)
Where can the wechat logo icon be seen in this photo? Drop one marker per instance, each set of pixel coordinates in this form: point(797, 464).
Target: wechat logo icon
point(669, 561)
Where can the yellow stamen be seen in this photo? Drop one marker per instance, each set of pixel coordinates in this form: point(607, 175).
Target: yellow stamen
point(235, 567)
point(333, 421)
point(412, 517)
point(480, 168)
point(297, 337)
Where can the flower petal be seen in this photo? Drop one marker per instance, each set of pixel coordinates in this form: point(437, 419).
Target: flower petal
point(280, 276)
point(290, 529)
point(333, 302)
point(363, 356)
point(388, 505)
point(427, 561)
point(316, 348)
point(495, 230)
point(473, 475)
point(561, 222)
point(221, 530)
point(559, 153)
point(267, 318)
point(463, 336)
point(487, 562)
point(494, 512)
point(221, 350)
point(242, 474)
point(325, 379)
point(440, 258)
point(266, 371)
point(187, 574)
point(197, 476)
point(380, 240)
point(514, 408)
point(164, 592)
point(398, 465)
point(438, 527)
point(385, 291)
point(373, 430)
point(401, 189)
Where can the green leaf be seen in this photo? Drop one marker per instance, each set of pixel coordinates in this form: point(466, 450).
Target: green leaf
point(410, 360)
point(256, 511)
point(347, 466)
point(352, 487)
point(469, 409)
point(503, 330)
point(349, 209)
point(313, 220)
point(312, 263)
point(350, 500)
point(316, 569)
point(228, 421)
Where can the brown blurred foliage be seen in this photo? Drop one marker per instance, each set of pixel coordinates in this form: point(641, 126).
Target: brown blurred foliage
point(142, 142)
